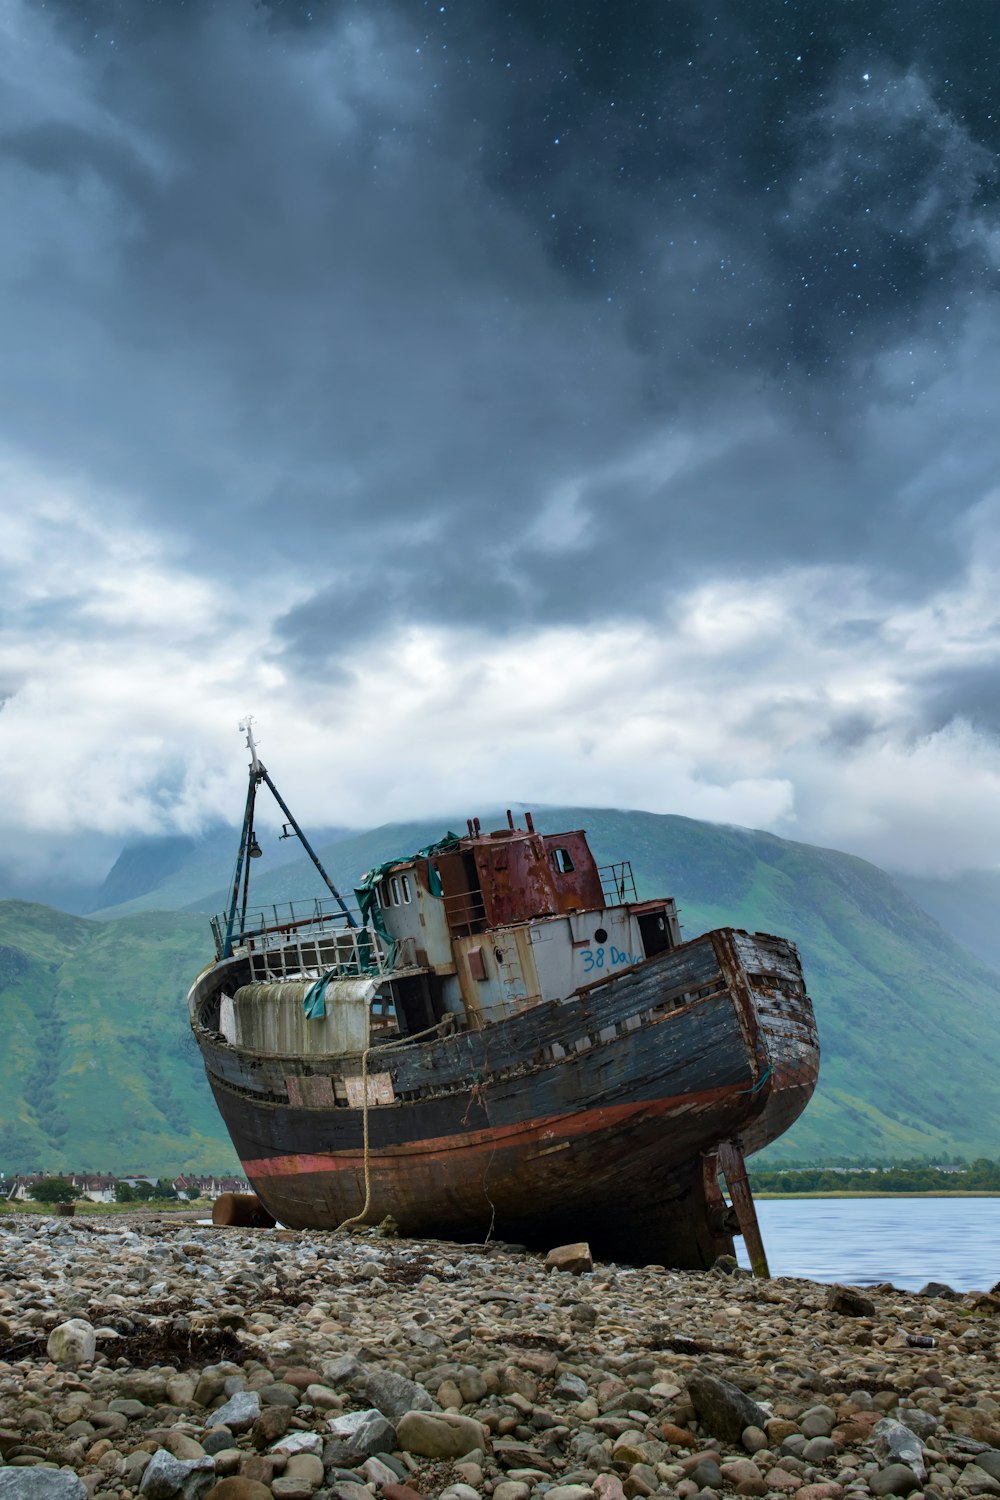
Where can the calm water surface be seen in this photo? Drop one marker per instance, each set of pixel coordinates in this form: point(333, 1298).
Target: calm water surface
point(908, 1241)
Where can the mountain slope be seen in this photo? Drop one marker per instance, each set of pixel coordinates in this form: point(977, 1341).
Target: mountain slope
point(98, 1069)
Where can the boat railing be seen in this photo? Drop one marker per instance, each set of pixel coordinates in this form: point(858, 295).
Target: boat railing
point(618, 882)
point(347, 952)
point(272, 926)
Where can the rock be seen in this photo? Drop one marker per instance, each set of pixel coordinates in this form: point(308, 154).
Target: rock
point(819, 1450)
point(723, 1408)
point(289, 1487)
point(849, 1302)
point(238, 1488)
point(342, 1371)
point(891, 1439)
point(40, 1484)
point(322, 1397)
point(166, 1476)
point(300, 1442)
point(217, 1440)
point(72, 1343)
point(575, 1259)
point(707, 1475)
point(938, 1289)
point(989, 1462)
point(754, 1439)
point(517, 1489)
point(818, 1421)
point(396, 1492)
point(239, 1413)
point(569, 1492)
point(828, 1491)
point(394, 1395)
point(363, 1434)
point(897, 1479)
point(273, 1423)
point(279, 1394)
point(439, 1434)
point(679, 1437)
point(605, 1487)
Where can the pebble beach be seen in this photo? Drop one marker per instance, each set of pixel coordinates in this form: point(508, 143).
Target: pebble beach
point(166, 1360)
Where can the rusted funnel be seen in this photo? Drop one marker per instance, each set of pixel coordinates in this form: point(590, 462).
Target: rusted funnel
point(241, 1211)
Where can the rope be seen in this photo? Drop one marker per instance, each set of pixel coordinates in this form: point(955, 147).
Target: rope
point(759, 1084)
point(359, 1218)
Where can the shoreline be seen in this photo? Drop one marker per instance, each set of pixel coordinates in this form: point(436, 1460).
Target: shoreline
point(345, 1366)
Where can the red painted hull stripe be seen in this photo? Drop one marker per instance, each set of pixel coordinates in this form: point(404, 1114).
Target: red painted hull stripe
point(544, 1132)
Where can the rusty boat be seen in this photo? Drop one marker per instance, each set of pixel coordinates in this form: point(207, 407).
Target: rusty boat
point(501, 1040)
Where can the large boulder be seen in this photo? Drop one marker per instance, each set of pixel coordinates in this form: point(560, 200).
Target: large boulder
point(41, 1484)
point(891, 1439)
point(723, 1408)
point(165, 1476)
point(572, 1258)
point(439, 1434)
point(72, 1343)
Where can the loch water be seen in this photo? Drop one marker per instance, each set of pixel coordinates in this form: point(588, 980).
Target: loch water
point(862, 1241)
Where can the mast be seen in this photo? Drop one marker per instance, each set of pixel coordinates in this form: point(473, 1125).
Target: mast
point(249, 846)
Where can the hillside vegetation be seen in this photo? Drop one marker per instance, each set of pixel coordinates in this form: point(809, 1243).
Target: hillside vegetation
point(100, 1072)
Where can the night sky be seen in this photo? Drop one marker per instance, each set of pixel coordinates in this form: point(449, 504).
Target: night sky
point(589, 403)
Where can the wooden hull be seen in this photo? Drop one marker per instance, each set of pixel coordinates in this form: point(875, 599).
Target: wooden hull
point(589, 1118)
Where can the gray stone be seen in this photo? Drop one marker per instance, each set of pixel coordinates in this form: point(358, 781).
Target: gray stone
point(707, 1475)
point(897, 1479)
point(166, 1476)
point(41, 1484)
point(342, 1371)
point(394, 1395)
point(891, 1439)
point(818, 1421)
point(723, 1408)
point(239, 1413)
point(989, 1461)
point(819, 1450)
point(569, 1387)
point(72, 1343)
point(217, 1440)
point(361, 1434)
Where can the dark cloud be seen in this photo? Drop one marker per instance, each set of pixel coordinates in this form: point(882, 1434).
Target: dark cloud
point(493, 316)
point(969, 693)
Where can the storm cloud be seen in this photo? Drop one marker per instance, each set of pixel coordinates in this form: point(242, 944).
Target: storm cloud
point(599, 402)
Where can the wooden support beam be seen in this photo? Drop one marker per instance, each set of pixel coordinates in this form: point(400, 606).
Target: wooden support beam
point(734, 1171)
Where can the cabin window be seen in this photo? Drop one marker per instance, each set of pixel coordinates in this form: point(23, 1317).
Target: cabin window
point(395, 891)
point(383, 895)
point(562, 860)
point(404, 885)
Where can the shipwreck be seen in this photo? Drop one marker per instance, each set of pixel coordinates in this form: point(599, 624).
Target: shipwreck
point(501, 1039)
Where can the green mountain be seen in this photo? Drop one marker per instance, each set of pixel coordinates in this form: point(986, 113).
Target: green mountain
point(99, 1071)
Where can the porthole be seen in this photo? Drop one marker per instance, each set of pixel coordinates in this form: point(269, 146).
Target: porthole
point(600, 936)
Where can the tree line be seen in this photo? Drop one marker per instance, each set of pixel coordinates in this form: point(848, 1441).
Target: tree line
point(980, 1176)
